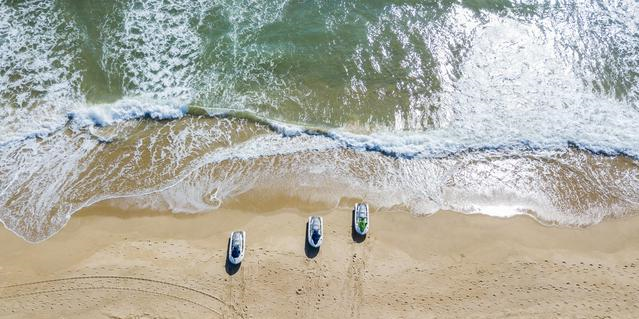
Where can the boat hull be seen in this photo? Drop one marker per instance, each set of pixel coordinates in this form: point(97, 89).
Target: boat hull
point(236, 260)
point(309, 232)
point(356, 225)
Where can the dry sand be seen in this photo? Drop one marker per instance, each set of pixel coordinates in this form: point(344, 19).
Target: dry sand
point(118, 263)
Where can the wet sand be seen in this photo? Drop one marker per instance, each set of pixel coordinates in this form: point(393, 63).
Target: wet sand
point(121, 263)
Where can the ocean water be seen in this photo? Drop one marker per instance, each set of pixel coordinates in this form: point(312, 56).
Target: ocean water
point(493, 107)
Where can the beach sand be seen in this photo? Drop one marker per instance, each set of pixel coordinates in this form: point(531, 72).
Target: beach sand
point(122, 263)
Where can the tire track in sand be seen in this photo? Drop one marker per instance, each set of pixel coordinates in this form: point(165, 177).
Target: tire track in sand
point(180, 292)
point(41, 292)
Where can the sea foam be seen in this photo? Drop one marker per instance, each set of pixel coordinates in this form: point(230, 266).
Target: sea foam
point(489, 105)
point(127, 109)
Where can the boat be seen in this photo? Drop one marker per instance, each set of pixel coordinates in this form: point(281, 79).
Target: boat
point(361, 218)
point(315, 231)
point(237, 242)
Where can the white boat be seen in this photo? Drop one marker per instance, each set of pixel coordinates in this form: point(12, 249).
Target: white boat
point(361, 218)
point(237, 242)
point(315, 231)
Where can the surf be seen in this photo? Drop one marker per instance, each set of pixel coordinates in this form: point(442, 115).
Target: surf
point(466, 107)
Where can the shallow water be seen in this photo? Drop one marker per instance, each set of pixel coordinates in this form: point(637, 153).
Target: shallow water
point(522, 107)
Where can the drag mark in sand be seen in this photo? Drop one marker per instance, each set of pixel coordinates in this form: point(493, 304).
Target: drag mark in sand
point(235, 294)
point(354, 284)
point(313, 290)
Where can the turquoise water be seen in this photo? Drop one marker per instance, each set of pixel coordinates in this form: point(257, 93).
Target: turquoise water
point(409, 80)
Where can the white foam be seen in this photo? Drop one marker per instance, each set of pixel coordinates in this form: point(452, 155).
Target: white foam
point(496, 184)
point(515, 91)
point(152, 47)
point(128, 109)
point(517, 86)
point(38, 76)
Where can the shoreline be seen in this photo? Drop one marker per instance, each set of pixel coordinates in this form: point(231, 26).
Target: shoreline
point(444, 265)
point(193, 164)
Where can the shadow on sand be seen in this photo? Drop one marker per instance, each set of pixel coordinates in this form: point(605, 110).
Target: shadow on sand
point(231, 268)
point(354, 234)
point(310, 251)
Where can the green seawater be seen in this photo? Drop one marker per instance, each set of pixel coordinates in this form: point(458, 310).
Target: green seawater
point(495, 107)
point(362, 64)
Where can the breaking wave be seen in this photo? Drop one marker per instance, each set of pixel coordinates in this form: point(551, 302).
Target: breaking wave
point(466, 106)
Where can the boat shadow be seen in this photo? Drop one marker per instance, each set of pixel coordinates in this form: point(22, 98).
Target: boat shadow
point(309, 250)
point(354, 234)
point(231, 269)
